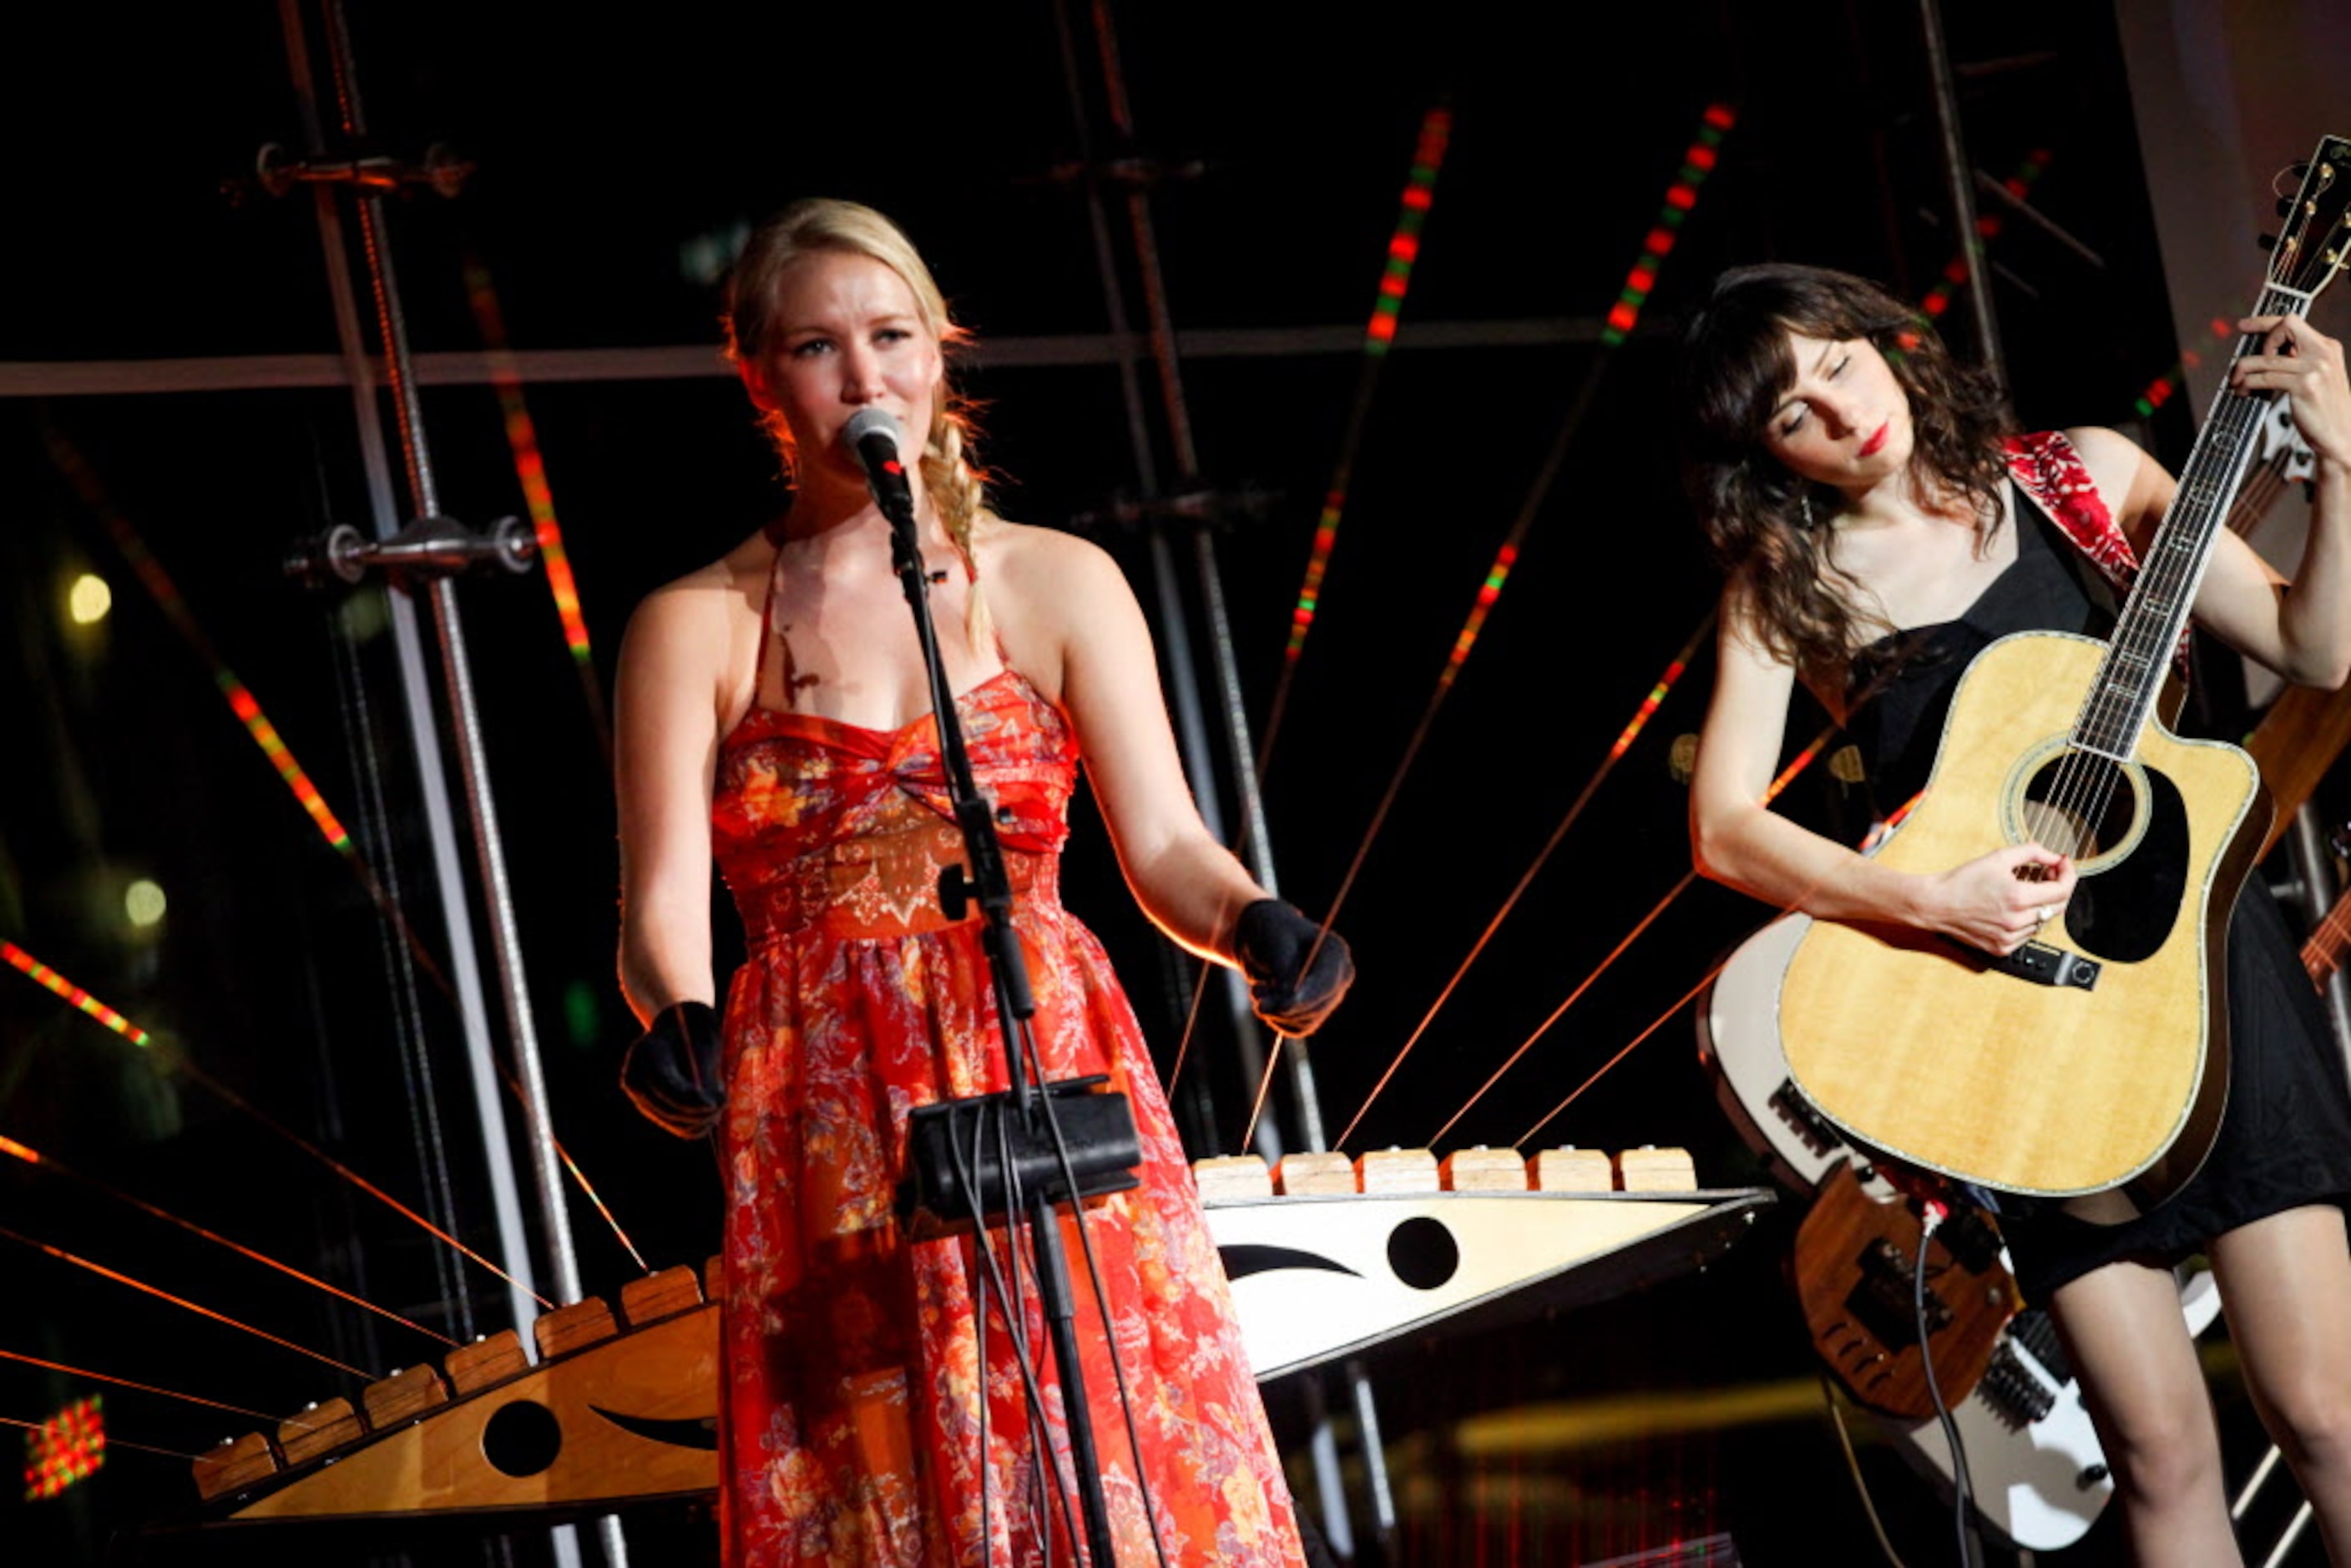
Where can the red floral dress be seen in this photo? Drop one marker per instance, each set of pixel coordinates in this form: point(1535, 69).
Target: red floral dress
point(850, 1426)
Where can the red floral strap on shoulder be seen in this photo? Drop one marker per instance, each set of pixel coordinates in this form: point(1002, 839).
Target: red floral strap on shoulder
point(2048, 468)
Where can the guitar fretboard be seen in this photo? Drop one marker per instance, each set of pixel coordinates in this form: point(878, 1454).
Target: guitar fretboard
point(2156, 615)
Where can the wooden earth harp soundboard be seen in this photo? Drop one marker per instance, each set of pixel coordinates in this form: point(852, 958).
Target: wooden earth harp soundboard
point(620, 1407)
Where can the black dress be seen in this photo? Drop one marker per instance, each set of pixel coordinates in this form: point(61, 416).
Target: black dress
point(2286, 1137)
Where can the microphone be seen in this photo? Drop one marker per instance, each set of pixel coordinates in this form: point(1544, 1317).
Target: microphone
point(874, 435)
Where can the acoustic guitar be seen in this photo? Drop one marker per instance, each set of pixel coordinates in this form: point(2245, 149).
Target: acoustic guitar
point(2095, 1056)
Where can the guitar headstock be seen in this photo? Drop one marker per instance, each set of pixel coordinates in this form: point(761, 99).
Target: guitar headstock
point(2316, 243)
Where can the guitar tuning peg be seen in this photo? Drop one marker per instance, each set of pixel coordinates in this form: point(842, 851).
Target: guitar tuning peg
point(2267, 241)
point(2286, 207)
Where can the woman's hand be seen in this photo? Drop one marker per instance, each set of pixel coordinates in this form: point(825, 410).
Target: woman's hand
point(1297, 971)
point(2305, 365)
point(1999, 902)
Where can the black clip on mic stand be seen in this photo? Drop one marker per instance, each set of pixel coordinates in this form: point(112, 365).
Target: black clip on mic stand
point(1056, 1135)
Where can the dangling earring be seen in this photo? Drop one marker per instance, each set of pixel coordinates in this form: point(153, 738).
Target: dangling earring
point(1804, 504)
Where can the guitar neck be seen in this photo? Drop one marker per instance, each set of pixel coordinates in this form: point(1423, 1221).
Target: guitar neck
point(2156, 615)
point(2323, 954)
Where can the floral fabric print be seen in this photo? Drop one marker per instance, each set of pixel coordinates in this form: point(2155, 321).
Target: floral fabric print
point(851, 1417)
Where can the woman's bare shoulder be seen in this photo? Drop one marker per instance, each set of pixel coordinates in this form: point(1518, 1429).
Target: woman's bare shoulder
point(701, 606)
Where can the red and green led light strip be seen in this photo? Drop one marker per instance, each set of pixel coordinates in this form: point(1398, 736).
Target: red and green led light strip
point(2160, 390)
point(1681, 199)
point(1698, 161)
point(530, 467)
point(33, 968)
point(1987, 227)
point(1396, 282)
point(166, 594)
point(1404, 245)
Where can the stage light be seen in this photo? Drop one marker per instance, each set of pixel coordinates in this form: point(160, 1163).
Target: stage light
point(89, 599)
point(143, 903)
point(67, 1448)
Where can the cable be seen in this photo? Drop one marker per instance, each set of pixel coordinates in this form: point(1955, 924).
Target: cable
point(1853, 1468)
point(1962, 1485)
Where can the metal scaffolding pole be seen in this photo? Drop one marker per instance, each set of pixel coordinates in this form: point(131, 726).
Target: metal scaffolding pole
point(465, 724)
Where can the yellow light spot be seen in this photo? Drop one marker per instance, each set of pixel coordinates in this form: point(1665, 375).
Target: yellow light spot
point(142, 900)
point(89, 599)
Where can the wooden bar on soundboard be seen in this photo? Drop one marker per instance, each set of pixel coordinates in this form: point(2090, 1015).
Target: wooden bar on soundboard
point(1481, 1169)
point(659, 1296)
point(636, 1411)
point(490, 1359)
point(407, 1393)
point(320, 1427)
point(1573, 1170)
point(575, 1327)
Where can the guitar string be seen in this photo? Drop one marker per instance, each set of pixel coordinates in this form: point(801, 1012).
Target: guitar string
point(50, 1162)
point(1403, 249)
point(176, 1060)
point(1631, 732)
point(1682, 199)
point(76, 469)
point(1792, 906)
point(85, 1373)
point(2102, 712)
point(62, 1255)
point(2086, 783)
point(1787, 776)
point(2180, 563)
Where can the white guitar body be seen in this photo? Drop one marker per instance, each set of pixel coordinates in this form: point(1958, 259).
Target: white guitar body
point(2040, 1476)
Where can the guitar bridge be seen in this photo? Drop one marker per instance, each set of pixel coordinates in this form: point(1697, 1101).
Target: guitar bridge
point(2047, 965)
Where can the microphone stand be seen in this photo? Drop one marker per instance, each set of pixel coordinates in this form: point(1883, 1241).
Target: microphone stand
point(1060, 1136)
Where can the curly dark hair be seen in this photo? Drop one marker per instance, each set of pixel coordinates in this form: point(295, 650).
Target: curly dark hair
point(1735, 370)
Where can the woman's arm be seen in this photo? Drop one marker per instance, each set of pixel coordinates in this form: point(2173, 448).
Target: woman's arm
point(2302, 630)
point(1075, 625)
point(666, 705)
point(1736, 837)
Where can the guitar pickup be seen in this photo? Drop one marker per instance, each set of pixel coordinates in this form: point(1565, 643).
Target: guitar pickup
point(2047, 965)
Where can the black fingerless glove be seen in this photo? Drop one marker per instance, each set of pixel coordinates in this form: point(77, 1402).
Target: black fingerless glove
point(672, 1071)
point(1271, 941)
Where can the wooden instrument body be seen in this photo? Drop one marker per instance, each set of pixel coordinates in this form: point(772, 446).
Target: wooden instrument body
point(1922, 1049)
point(1855, 1260)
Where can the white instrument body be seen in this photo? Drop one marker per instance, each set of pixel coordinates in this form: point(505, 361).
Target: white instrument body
point(2039, 1482)
point(1314, 1279)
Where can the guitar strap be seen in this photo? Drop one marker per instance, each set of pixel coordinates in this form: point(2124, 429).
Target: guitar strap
point(2049, 470)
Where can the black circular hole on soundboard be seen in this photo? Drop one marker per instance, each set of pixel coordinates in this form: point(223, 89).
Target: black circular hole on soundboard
point(1423, 1252)
point(522, 1439)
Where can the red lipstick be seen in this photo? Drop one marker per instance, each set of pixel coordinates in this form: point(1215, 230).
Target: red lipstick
point(1878, 439)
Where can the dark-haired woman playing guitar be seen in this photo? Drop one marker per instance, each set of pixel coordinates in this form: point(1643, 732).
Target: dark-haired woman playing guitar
point(1881, 523)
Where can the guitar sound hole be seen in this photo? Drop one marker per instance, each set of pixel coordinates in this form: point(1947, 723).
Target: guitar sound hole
point(2079, 805)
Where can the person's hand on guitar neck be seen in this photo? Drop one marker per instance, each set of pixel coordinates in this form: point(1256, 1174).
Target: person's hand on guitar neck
point(2001, 901)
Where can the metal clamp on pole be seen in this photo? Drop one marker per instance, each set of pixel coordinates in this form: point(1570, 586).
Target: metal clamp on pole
point(276, 171)
point(427, 548)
